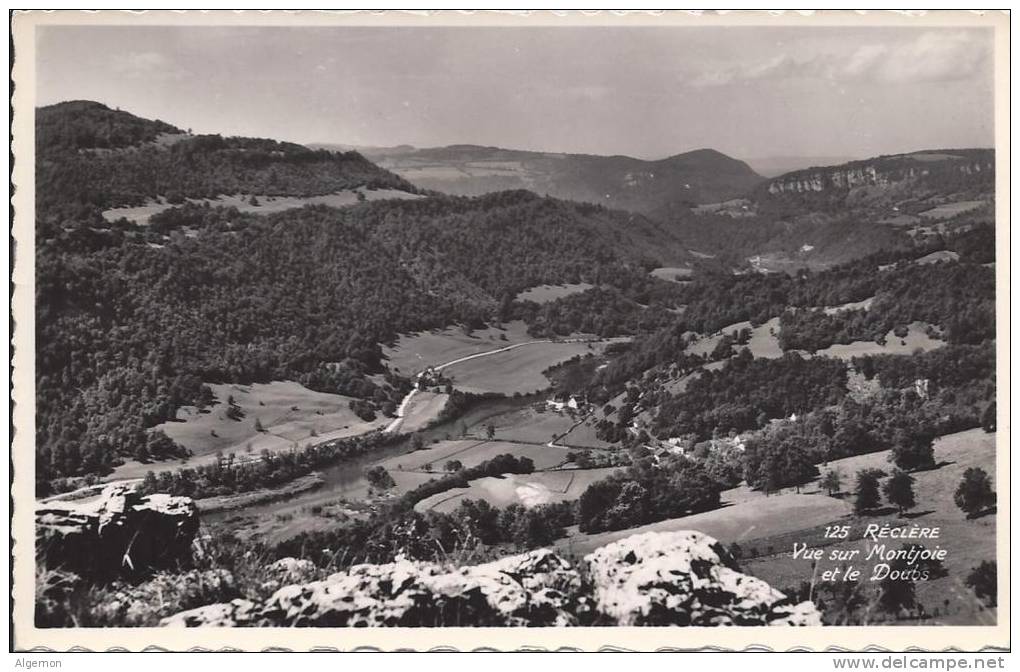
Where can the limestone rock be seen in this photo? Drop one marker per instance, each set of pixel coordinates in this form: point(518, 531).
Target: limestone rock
point(679, 578)
point(119, 532)
point(684, 578)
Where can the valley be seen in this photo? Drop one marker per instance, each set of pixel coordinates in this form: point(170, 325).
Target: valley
point(466, 352)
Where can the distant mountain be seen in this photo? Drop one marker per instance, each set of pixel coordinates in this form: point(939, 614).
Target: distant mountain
point(920, 175)
point(90, 155)
point(620, 182)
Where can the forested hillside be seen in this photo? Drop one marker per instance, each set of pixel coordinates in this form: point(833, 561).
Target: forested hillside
point(90, 158)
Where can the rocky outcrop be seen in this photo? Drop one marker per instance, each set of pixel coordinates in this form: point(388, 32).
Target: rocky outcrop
point(537, 588)
point(680, 578)
point(120, 532)
point(886, 171)
point(684, 578)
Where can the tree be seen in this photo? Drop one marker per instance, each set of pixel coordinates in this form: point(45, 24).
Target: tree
point(490, 431)
point(912, 449)
point(453, 465)
point(832, 481)
point(866, 492)
point(899, 490)
point(258, 425)
point(417, 442)
point(975, 493)
point(379, 478)
point(983, 580)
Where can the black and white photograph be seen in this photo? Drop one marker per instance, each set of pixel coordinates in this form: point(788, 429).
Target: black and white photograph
point(332, 326)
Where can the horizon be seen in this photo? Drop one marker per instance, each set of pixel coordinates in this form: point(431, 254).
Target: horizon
point(738, 91)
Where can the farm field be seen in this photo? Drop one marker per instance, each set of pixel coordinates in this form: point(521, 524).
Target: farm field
point(525, 489)
point(948, 210)
point(671, 273)
point(916, 338)
point(547, 293)
point(470, 453)
point(266, 204)
point(290, 414)
point(583, 436)
point(527, 425)
point(764, 341)
point(423, 408)
point(413, 352)
point(515, 371)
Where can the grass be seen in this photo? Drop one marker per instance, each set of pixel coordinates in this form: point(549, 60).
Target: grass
point(673, 273)
point(413, 352)
point(266, 204)
point(949, 210)
point(515, 371)
point(853, 305)
point(767, 526)
point(471, 452)
point(290, 414)
point(547, 293)
point(938, 256)
point(527, 425)
point(423, 408)
point(916, 338)
point(968, 542)
point(526, 489)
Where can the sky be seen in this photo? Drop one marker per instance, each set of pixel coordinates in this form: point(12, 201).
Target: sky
point(648, 92)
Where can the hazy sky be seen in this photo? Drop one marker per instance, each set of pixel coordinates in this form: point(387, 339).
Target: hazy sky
point(647, 92)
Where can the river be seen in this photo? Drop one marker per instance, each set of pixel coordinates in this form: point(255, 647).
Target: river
point(346, 479)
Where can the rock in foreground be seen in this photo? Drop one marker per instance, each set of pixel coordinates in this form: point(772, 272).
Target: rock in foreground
point(679, 578)
point(121, 532)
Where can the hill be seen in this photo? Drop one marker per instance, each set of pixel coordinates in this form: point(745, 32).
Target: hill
point(91, 158)
point(619, 182)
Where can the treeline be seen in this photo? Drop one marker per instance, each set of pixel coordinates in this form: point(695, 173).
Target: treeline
point(646, 493)
point(232, 474)
point(501, 464)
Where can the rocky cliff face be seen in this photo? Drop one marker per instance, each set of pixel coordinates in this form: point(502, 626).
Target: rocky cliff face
point(679, 578)
point(884, 172)
point(121, 532)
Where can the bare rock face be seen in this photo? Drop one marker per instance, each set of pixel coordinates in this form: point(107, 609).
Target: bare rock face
point(681, 578)
point(537, 588)
point(685, 578)
point(121, 532)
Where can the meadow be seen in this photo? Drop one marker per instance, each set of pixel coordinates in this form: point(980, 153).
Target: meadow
point(916, 338)
point(411, 353)
point(263, 204)
point(516, 371)
point(547, 293)
point(290, 414)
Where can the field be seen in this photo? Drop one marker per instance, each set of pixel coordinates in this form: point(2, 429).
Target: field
point(853, 305)
point(767, 527)
point(526, 489)
point(764, 341)
point(470, 453)
point(413, 352)
point(672, 273)
point(290, 414)
point(916, 338)
point(547, 293)
point(423, 408)
point(527, 425)
point(948, 210)
point(515, 371)
point(583, 436)
point(266, 204)
point(938, 257)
